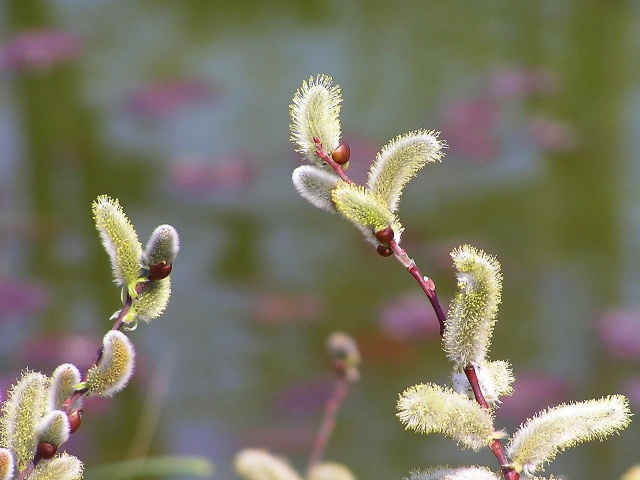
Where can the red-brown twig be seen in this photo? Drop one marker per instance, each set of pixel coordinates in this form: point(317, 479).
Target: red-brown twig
point(429, 288)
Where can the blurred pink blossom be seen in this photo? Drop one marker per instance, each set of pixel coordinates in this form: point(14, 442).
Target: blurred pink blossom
point(278, 307)
point(39, 50)
point(619, 332)
point(553, 135)
point(469, 128)
point(191, 173)
point(305, 396)
point(409, 317)
point(519, 82)
point(167, 97)
point(533, 392)
point(631, 388)
point(19, 297)
point(46, 352)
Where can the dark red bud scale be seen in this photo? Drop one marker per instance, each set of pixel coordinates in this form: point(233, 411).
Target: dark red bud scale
point(74, 420)
point(384, 251)
point(46, 451)
point(385, 235)
point(159, 271)
point(341, 153)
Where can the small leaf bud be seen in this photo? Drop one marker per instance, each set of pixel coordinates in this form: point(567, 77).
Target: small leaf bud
point(46, 451)
point(159, 270)
point(75, 419)
point(344, 352)
point(385, 235)
point(384, 251)
point(341, 153)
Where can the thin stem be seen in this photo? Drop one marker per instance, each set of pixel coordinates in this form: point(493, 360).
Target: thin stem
point(495, 445)
point(69, 403)
point(429, 288)
point(329, 420)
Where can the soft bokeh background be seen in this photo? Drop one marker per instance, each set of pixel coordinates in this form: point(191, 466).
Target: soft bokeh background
point(180, 109)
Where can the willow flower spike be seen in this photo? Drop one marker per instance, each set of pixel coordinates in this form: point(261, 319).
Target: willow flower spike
point(53, 428)
point(461, 473)
point(62, 467)
point(315, 186)
point(63, 383)
point(6, 464)
point(365, 210)
point(473, 310)
point(551, 431)
point(254, 464)
point(429, 408)
point(315, 113)
point(399, 161)
point(330, 471)
point(120, 240)
point(21, 412)
point(113, 371)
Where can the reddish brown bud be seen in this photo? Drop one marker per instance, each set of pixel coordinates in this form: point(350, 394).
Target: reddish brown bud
point(159, 271)
point(74, 420)
point(46, 451)
point(341, 153)
point(385, 235)
point(384, 251)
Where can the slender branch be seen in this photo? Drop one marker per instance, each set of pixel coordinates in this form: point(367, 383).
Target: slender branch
point(495, 445)
point(69, 403)
point(329, 420)
point(429, 288)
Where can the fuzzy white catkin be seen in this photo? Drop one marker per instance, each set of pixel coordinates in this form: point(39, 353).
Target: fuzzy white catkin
point(473, 310)
point(315, 185)
point(460, 473)
point(315, 112)
point(540, 438)
point(255, 464)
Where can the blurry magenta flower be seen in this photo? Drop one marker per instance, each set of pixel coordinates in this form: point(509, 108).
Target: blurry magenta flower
point(21, 297)
point(276, 308)
point(532, 392)
point(407, 318)
point(38, 50)
point(470, 129)
point(522, 81)
point(552, 135)
point(619, 332)
point(193, 174)
point(169, 96)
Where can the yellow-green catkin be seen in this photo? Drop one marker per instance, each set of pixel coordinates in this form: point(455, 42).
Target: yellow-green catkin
point(255, 464)
point(315, 186)
point(119, 239)
point(365, 210)
point(429, 408)
point(315, 112)
point(551, 431)
point(63, 383)
point(53, 428)
point(330, 471)
point(6, 464)
point(113, 371)
point(460, 473)
point(61, 467)
point(399, 161)
point(473, 310)
point(152, 300)
point(21, 412)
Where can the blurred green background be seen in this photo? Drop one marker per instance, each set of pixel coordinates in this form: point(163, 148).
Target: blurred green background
point(180, 110)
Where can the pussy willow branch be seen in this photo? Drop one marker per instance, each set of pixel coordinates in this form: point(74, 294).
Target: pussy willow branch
point(429, 288)
point(329, 420)
point(68, 404)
